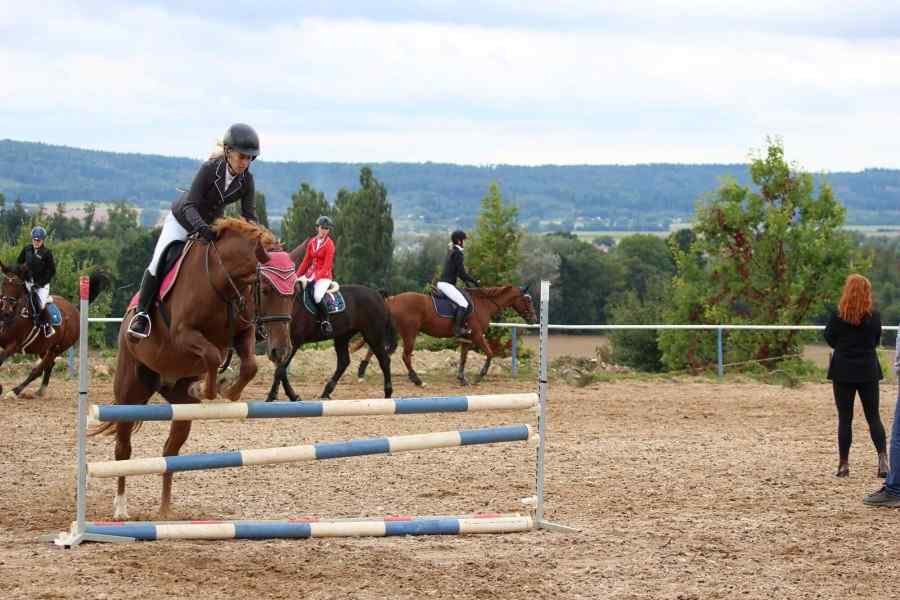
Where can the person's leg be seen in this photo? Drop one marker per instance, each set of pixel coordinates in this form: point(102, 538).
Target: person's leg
point(43, 296)
point(319, 289)
point(459, 317)
point(869, 398)
point(843, 400)
point(140, 323)
point(892, 483)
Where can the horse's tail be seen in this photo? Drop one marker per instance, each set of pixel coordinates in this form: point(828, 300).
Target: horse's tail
point(390, 333)
point(99, 282)
point(109, 428)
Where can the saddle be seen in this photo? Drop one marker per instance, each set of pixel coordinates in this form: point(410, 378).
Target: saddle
point(334, 299)
point(445, 307)
point(169, 268)
point(52, 309)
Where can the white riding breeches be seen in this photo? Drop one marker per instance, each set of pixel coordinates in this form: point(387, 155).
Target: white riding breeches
point(171, 231)
point(43, 293)
point(319, 289)
point(454, 294)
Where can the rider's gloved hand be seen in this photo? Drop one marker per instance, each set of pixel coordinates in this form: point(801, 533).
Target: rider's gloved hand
point(207, 233)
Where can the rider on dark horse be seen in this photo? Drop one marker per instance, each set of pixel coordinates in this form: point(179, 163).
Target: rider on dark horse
point(454, 268)
point(41, 269)
point(317, 268)
point(223, 179)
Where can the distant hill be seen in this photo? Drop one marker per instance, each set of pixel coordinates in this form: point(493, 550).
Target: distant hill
point(428, 195)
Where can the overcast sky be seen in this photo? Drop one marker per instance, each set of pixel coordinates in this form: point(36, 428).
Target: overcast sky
point(494, 81)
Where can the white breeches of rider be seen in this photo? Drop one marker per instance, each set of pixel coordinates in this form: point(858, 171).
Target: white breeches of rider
point(319, 289)
point(171, 231)
point(454, 294)
point(43, 293)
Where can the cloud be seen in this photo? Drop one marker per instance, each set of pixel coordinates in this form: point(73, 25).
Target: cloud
point(632, 82)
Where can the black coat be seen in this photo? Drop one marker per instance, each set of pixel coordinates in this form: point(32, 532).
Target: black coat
point(855, 358)
point(454, 268)
point(206, 200)
point(40, 264)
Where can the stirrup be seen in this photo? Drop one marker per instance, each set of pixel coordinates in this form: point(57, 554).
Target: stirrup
point(138, 334)
point(49, 331)
point(327, 328)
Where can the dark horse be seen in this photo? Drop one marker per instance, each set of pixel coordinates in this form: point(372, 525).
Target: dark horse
point(414, 312)
point(225, 291)
point(17, 330)
point(365, 313)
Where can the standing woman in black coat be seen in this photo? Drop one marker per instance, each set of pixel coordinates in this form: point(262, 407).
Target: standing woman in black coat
point(221, 180)
point(854, 333)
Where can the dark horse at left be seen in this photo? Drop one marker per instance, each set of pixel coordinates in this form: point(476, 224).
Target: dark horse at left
point(17, 330)
point(365, 313)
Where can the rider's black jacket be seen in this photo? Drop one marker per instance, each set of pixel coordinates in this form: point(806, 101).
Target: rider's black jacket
point(455, 269)
point(206, 200)
point(40, 264)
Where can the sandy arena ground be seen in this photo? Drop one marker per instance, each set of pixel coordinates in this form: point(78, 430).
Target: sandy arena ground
point(681, 490)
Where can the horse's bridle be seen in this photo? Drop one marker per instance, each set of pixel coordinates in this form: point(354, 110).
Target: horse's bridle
point(14, 301)
point(238, 305)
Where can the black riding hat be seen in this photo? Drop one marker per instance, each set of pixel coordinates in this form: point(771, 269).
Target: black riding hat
point(325, 222)
point(242, 138)
point(458, 236)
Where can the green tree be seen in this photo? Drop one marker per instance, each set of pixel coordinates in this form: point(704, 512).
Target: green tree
point(364, 233)
point(307, 205)
point(646, 259)
point(493, 252)
point(772, 255)
point(588, 279)
point(416, 265)
point(262, 214)
point(639, 348)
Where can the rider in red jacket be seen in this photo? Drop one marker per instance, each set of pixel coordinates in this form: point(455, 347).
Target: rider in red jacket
point(317, 268)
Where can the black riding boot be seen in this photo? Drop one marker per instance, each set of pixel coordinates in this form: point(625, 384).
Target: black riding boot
point(46, 322)
point(140, 323)
point(327, 329)
point(459, 326)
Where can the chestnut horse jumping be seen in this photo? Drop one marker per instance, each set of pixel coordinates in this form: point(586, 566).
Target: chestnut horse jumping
point(18, 333)
point(225, 291)
point(413, 312)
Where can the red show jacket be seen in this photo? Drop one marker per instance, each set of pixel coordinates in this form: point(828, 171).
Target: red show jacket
point(317, 264)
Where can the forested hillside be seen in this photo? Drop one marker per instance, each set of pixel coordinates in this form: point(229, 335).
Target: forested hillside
point(428, 195)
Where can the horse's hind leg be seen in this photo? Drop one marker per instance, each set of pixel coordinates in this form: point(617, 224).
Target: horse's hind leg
point(384, 361)
point(45, 363)
point(409, 344)
point(343, 361)
point(363, 364)
point(46, 380)
point(463, 355)
point(178, 434)
point(123, 452)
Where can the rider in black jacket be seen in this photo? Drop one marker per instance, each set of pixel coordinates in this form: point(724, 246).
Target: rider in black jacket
point(454, 268)
point(223, 179)
point(41, 270)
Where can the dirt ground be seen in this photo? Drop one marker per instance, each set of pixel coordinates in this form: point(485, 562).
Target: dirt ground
point(680, 489)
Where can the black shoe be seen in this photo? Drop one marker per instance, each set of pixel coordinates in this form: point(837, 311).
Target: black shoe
point(460, 332)
point(140, 323)
point(327, 329)
point(882, 498)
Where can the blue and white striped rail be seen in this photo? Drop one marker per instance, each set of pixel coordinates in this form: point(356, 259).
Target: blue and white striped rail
point(264, 530)
point(327, 408)
point(309, 452)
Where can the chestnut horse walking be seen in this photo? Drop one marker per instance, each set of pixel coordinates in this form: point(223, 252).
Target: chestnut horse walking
point(18, 333)
point(224, 292)
point(413, 312)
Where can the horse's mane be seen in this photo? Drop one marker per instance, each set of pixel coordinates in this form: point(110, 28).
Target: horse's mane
point(248, 230)
point(490, 292)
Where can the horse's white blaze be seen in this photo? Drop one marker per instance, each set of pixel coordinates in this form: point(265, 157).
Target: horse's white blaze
point(120, 507)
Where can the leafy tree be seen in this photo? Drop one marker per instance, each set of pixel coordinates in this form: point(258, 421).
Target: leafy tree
point(493, 252)
point(588, 279)
point(60, 227)
point(364, 233)
point(416, 265)
point(646, 259)
point(307, 205)
point(261, 210)
point(772, 255)
point(639, 348)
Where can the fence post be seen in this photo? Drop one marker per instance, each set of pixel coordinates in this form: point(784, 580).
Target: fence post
point(721, 364)
point(515, 353)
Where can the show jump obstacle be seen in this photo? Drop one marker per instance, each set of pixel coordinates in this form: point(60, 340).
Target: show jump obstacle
point(82, 530)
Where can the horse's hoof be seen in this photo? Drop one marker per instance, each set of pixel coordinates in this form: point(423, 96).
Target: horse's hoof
point(271, 399)
point(463, 382)
point(195, 392)
point(360, 380)
point(10, 395)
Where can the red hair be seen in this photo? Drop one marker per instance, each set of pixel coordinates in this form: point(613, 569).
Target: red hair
point(856, 299)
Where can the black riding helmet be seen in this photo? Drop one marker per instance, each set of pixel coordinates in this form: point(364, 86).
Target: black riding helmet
point(325, 222)
point(242, 138)
point(458, 236)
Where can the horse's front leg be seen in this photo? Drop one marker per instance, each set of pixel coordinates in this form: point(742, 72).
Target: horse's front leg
point(244, 348)
point(481, 342)
point(7, 351)
point(461, 373)
point(43, 365)
point(210, 356)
